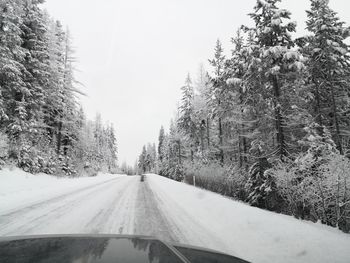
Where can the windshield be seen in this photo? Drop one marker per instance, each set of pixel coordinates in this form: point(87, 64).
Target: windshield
point(217, 124)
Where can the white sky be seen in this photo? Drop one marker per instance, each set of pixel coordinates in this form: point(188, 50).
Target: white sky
point(134, 54)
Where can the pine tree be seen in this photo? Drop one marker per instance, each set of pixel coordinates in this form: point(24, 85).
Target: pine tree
point(217, 93)
point(261, 185)
point(278, 62)
point(237, 69)
point(319, 150)
point(112, 148)
point(54, 103)
point(34, 35)
point(14, 92)
point(201, 109)
point(143, 160)
point(161, 144)
point(66, 114)
point(187, 120)
point(329, 69)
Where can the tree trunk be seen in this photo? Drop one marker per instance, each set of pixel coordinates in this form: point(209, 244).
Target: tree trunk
point(221, 143)
point(208, 133)
point(179, 151)
point(240, 149)
point(336, 123)
point(318, 103)
point(65, 143)
point(242, 138)
point(59, 137)
point(60, 124)
point(202, 138)
point(279, 119)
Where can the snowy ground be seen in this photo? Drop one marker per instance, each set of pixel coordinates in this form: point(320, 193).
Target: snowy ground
point(163, 208)
point(209, 219)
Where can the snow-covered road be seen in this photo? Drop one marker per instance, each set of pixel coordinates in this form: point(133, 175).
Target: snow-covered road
point(165, 209)
point(104, 207)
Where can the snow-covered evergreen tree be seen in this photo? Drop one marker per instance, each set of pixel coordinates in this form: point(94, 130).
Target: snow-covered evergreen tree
point(187, 121)
point(329, 69)
point(161, 138)
point(279, 62)
point(201, 109)
point(39, 111)
point(14, 91)
point(217, 94)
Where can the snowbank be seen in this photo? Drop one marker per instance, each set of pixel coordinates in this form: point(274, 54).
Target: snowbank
point(251, 233)
point(19, 189)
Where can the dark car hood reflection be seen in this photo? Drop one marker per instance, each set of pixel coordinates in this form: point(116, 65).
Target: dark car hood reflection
point(103, 249)
point(86, 250)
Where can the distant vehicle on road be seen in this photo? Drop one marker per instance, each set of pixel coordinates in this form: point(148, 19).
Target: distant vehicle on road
point(104, 249)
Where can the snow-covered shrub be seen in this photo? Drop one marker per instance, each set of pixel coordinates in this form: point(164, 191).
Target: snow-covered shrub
point(172, 170)
point(115, 170)
point(34, 155)
point(229, 181)
point(50, 165)
point(294, 191)
point(236, 183)
point(66, 166)
point(3, 148)
point(323, 196)
point(294, 179)
point(175, 172)
point(332, 192)
point(29, 159)
point(208, 176)
point(316, 185)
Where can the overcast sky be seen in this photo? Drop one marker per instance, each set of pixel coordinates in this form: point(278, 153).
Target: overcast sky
point(134, 54)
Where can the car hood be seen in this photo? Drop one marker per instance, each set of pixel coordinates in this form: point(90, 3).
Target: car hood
point(103, 249)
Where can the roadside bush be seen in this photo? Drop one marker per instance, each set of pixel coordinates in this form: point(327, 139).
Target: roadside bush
point(29, 159)
point(3, 148)
point(293, 190)
point(332, 188)
point(228, 181)
point(323, 196)
point(32, 160)
point(236, 183)
point(66, 166)
point(173, 171)
point(176, 172)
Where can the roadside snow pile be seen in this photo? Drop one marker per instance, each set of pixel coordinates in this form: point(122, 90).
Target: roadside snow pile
point(251, 233)
point(18, 188)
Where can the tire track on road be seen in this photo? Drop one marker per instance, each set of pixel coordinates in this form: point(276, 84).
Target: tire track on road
point(151, 219)
point(36, 216)
point(53, 199)
point(103, 221)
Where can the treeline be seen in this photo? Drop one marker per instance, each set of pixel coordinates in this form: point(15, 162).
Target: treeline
point(270, 124)
point(147, 162)
point(127, 169)
point(42, 126)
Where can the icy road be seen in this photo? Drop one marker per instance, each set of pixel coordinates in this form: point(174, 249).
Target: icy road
point(165, 209)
